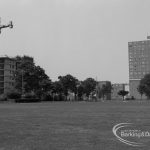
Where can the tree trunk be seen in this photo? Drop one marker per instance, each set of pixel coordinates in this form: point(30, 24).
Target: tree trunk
point(103, 96)
point(75, 96)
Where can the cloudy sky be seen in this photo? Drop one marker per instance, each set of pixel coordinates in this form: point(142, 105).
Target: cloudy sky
point(86, 38)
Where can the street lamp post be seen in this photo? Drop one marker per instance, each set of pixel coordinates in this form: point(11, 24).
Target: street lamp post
point(22, 86)
point(10, 25)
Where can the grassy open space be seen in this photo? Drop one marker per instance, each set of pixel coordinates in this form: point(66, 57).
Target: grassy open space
point(68, 125)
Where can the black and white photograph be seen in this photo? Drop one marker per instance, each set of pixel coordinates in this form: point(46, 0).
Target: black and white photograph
point(74, 75)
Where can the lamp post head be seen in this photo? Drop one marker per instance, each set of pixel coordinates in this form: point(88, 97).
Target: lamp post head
point(11, 24)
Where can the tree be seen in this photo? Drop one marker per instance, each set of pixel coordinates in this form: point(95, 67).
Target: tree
point(141, 89)
point(30, 77)
point(104, 90)
point(80, 91)
point(69, 83)
point(123, 93)
point(144, 86)
point(57, 87)
point(24, 70)
point(57, 90)
point(89, 86)
point(45, 86)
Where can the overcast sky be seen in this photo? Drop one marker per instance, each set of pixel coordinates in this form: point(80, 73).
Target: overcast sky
point(86, 38)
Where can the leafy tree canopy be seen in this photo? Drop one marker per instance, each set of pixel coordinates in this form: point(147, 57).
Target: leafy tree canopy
point(68, 82)
point(31, 76)
point(105, 89)
point(57, 87)
point(144, 86)
point(123, 93)
point(89, 86)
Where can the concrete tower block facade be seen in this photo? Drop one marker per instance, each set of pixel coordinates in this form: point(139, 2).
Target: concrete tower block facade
point(139, 64)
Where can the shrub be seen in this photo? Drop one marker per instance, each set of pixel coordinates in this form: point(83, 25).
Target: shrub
point(13, 95)
point(27, 100)
point(59, 97)
point(132, 98)
point(47, 97)
point(3, 97)
point(29, 95)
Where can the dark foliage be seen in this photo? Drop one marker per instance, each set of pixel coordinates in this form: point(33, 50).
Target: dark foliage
point(144, 87)
point(89, 86)
point(68, 83)
point(14, 95)
point(123, 93)
point(27, 100)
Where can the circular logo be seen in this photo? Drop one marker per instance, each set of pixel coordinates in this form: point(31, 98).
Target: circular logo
point(130, 134)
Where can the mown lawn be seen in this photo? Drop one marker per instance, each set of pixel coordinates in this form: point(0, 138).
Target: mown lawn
point(68, 125)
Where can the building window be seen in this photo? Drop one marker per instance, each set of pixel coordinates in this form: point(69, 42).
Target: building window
point(1, 84)
point(131, 73)
point(1, 60)
point(1, 78)
point(1, 72)
point(1, 66)
point(1, 91)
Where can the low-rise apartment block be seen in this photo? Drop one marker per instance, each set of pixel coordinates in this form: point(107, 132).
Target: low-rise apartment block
point(7, 70)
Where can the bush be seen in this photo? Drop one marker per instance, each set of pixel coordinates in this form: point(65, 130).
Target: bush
point(47, 97)
point(130, 98)
point(13, 95)
point(27, 100)
point(3, 97)
point(29, 95)
point(59, 97)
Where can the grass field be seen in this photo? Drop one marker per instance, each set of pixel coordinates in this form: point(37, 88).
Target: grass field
point(68, 125)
